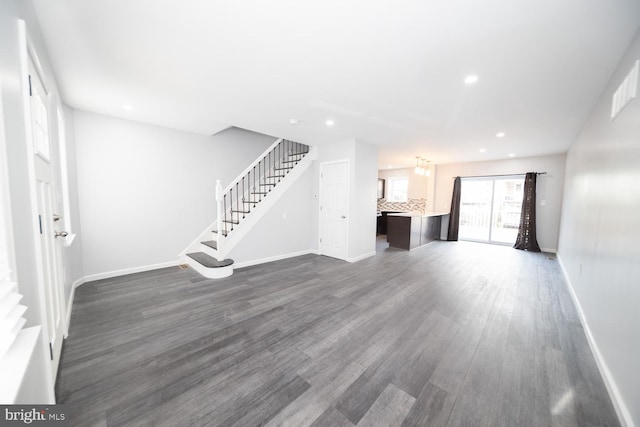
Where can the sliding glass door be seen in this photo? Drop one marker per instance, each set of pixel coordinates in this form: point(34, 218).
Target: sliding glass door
point(490, 209)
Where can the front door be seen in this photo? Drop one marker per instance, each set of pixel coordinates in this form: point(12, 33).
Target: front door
point(50, 249)
point(334, 202)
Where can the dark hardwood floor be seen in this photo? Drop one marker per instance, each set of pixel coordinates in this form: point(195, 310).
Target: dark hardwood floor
point(450, 334)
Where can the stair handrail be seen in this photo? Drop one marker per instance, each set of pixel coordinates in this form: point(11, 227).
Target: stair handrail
point(266, 162)
point(252, 165)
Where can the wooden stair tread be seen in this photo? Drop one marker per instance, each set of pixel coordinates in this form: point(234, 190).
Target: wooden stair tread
point(211, 243)
point(209, 261)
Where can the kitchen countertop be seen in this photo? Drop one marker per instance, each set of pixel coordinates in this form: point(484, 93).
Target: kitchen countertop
point(419, 214)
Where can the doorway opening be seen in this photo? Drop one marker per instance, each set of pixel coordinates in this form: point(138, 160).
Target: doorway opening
point(490, 209)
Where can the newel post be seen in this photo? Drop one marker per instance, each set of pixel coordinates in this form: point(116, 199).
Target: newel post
point(219, 198)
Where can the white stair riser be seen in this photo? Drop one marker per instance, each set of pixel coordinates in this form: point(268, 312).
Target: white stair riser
point(210, 251)
point(211, 273)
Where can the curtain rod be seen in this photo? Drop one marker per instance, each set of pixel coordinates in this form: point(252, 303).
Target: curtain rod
point(492, 176)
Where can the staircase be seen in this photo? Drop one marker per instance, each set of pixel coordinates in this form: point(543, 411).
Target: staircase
point(241, 204)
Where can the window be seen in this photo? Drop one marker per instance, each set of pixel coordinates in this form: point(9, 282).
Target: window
point(398, 189)
point(490, 209)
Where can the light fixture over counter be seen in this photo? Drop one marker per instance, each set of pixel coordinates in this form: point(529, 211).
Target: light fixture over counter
point(422, 167)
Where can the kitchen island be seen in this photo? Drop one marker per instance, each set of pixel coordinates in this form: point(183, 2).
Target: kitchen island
point(412, 230)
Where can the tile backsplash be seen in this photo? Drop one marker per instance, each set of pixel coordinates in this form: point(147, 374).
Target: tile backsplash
point(411, 205)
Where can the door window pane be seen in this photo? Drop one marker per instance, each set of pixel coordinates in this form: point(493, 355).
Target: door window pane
point(507, 204)
point(475, 209)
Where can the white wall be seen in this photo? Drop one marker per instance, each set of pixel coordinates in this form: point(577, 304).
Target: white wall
point(290, 227)
point(363, 170)
point(549, 189)
point(364, 196)
point(599, 237)
point(146, 192)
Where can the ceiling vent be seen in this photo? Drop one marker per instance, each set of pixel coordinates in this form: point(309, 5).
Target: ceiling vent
point(626, 91)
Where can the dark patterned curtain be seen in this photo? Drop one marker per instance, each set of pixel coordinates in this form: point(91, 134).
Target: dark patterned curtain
point(527, 233)
point(454, 215)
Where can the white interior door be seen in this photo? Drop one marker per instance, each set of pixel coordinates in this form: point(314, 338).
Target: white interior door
point(334, 203)
point(50, 248)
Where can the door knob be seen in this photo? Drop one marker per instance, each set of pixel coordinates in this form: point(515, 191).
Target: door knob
point(61, 234)
point(343, 217)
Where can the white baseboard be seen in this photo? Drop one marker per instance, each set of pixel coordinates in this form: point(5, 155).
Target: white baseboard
point(125, 271)
point(274, 258)
point(72, 294)
point(361, 257)
point(624, 416)
point(549, 250)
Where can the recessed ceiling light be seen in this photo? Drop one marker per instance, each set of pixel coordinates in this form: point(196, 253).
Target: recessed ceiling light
point(127, 107)
point(500, 134)
point(293, 122)
point(390, 166)
point(482, 150)
point(512, 155)
point(470, 79)
point(330, 122)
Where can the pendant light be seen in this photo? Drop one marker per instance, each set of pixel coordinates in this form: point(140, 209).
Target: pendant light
point(418, 170)
point(420, 167)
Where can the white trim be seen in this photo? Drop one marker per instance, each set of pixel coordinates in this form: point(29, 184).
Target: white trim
point(361, 257)
point(78, 283)
point(549, 250)
point(20, 360)
point(72, 295)
point(275, 258)
point(616, 397)
point(62, 170)
point(124, 272)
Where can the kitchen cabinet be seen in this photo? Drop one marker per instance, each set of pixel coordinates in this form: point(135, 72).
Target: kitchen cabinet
point(409, 231)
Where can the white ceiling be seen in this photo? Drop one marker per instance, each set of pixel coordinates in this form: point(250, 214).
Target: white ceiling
point(389, 73)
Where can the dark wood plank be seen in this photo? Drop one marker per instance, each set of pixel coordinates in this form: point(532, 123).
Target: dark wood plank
point(447, 334)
